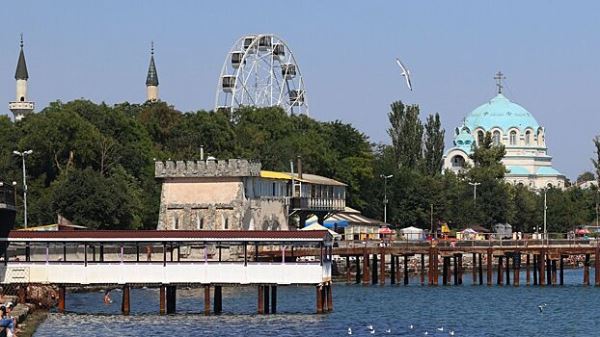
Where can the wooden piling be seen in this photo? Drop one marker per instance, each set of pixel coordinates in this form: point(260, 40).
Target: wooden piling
point(586, 270)
point(430, 267)
point(218, 300)
point(393, 269)
point(406, 270)
point(597, 267)
point(125, 306)
point(261, 300)
point(480, 265)
point(507, 270)
point(319, 299)
point(542, 266)
point(267, 300)
point(490, 257)
point(422, 269)
point(348, 276)
point(162, 300)
point(358, 275)
point(329, 297)
point(436, 269)
point(562, 271)
point(382, 267)
point(374, 278)
point(455, 258)
point(517, 269)
point(460, 269)
point(535, 269)
point(365, 275)
point(474, 279)
point(171, 299)
point(398, 268)
point(548, 270)
point(207, 300)
point(527, 267)
point(500, 280)
point(62, 293)
point(553, 264)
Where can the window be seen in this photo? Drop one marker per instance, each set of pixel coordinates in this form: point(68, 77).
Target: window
point(513, 137)
point(528, 137)
point(22, 99)
point(199, 223)
point(496, 137)
point(480, 137)
point(226, 225)
point(175, 221)
point(458, 161)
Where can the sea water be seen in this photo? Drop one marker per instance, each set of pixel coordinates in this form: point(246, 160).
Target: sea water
point(413, 310)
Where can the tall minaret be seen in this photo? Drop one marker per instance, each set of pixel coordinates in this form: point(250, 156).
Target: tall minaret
point(152, 79)
point(21, 106)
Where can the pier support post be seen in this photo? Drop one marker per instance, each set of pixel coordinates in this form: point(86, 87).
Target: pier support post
point(480, 265)
point(474, 280)
point(125, 307)
point(460, 269)
point(507, 270)
point(319, 289)
point(535, 269)
point(405, 270)
point(162, 299)
point(527, 267)
point(207, 300)
point(446, 262)
point(329, 298)
point(358, 273)
point(490, 258)
point(455, 258)
point(553, 263)
point(393, 269)
point(430, 267)
point(267, 299)
point(500, 280)
point(348, 276)
point(398, 268)
point(62, 293)
point(171, 299)
point(548, 270)
point(542, 266)
point(562, 270)
point(382, 268)
point(422, 269)
point(274, 299)
point(261, 300)
point(374, 270)
point(586, 270)
point(218, 300)
point(517, 269)
point(365, 269)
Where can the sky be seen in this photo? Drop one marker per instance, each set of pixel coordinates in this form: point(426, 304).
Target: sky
point(548, 50)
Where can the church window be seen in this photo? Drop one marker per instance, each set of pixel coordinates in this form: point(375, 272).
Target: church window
point(496, 137)
point(458, 161)
point(528, 137)
point(480, 137)
point(513, 137)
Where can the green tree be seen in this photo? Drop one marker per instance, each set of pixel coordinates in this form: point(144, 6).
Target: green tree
point(596, 161)
point(406, 132)
point(433, 145)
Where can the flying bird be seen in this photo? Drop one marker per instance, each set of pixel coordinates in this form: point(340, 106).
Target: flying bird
point(405, 73)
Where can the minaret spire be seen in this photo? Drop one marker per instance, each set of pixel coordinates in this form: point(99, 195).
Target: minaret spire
point(21, 106)
point(152, 78)
point(499, 77)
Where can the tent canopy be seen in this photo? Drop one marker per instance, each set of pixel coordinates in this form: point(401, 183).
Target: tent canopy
point(411, 230)
point(469, 231)
point(317, 227)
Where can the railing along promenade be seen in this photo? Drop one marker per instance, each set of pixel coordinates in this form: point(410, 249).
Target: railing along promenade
point(167, 259)
point(543, 261)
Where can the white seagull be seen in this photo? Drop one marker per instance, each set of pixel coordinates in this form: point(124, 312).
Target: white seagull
point(451, 332)
point(405, 73)
point(349, 331)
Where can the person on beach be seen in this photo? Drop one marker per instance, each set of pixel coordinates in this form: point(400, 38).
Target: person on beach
point(6, 322)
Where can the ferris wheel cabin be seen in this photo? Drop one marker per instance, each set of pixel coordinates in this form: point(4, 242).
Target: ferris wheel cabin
point(228, 83)
point(248, 42)
point(296, 97)
point(278, 50)
point(236, 58)
point(288, 70)
point(265, 43)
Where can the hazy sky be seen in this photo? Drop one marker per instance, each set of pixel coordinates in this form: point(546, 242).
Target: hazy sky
point(549, 51)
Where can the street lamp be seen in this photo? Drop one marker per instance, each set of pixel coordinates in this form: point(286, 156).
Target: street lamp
point(23, 155)
point(545, 209)
point(474, 184)
point(385, 201)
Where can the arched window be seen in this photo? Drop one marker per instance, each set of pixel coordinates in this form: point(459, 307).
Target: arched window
point(513, 137)
point(540, 137)
point(528, 137)
point(480, 137)
point(496, 137)
point(458, 161)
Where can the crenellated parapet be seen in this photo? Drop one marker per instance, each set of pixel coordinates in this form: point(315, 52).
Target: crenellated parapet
point(208, 168)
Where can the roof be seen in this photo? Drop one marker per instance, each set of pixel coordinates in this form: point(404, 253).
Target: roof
point(21, 73)
point(306, 177)
point(168, 235)
point(548, 171)
point(517, 170)
point(502, 113)
point(152, 78)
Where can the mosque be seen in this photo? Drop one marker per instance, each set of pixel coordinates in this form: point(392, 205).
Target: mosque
point(526, 160)
point(22, 106)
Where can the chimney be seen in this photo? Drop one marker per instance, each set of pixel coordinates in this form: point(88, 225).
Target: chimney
point(299, 167)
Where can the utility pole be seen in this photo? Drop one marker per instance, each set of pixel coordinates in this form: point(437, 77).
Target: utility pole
point(23, 155)
point(385, 201)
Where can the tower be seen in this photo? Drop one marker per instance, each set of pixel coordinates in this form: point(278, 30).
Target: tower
point(21, 106)
point(152, 79)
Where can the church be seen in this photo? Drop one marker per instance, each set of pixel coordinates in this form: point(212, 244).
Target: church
point(526, 160)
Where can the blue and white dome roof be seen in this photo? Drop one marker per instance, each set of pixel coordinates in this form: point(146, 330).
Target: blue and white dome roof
point(501, 113)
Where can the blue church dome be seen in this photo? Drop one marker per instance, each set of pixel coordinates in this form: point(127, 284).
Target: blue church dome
point(500, 112)
point(464, 140)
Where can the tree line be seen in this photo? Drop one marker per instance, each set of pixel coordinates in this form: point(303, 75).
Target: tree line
point(94, 164)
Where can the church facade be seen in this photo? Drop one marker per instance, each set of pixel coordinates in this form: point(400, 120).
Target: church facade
point(527, 160)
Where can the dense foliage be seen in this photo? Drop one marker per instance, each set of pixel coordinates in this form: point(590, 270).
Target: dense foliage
point(94, 164)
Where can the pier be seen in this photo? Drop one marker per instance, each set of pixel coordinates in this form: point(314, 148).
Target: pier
point(168, 259)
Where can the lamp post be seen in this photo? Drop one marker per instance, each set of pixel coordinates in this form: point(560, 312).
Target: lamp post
point(474, 184)
point(385, 201)
point(545, 209)
point(23, 155)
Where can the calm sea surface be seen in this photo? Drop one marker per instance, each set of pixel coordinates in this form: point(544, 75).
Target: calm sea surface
point(571, 310)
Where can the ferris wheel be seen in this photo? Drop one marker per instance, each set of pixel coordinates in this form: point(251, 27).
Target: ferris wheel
point(261, 70)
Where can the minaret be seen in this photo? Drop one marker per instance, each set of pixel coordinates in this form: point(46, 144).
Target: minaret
point(21, 106)
point(152, 79)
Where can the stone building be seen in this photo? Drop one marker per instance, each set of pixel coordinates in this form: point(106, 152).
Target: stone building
point(527, 160)
point(237, 194)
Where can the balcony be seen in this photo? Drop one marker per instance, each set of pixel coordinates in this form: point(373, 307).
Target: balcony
point(317, 204)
